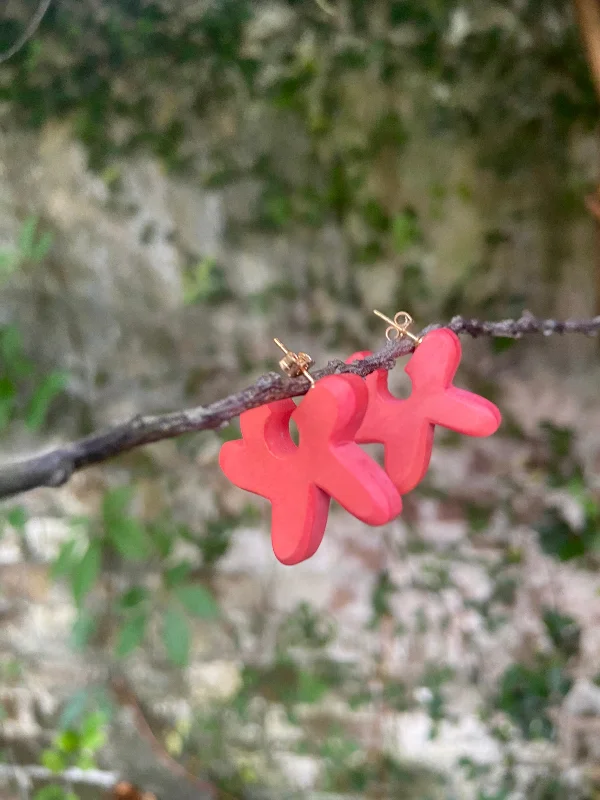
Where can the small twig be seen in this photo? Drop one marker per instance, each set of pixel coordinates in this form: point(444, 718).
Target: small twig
point(325, 7)
point(28, 32)
point(127, 697)
point(56, 467)
point(25, 776)
point(592, 203)
point(588, 16)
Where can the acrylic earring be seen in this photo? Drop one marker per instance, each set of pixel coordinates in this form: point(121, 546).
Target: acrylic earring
point(406, 427)
point(300, 480)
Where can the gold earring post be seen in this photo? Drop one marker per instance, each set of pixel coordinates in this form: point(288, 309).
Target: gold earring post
point(295, 364)
point(397, 327)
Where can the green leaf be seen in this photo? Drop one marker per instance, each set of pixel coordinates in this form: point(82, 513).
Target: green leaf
point(54, 792)
point(176, 637)
point(93, 732)
point(104, 702)
point(115, 505)
point(74, 709)
point(560, 439)
point(43, 396)
point(92, 723)
point(405, 231)
point(6, 412)
point(26, 237)
point(85, 574)
point(464, 192)
point(83, 630)
point(310, 688)
point(86, 761)
point(526, 692)
point(564, 632)
point(53, 761)
point(389, 131)
point(375, 216)
point(175, 575)
point(132, 597)
point(64, 561)
point(198, 286)
point(129, 539)
point(381, 596)
point(68, 741)
point(162, 539)
point(73, 713)
point(9, 261)
point(126, 534)
point(131, 634)
point(198, 601)
point(41, 247)
point(17, 517)
point(79, 522)
point(558, 539)
point(11, 344)
point(8, 393)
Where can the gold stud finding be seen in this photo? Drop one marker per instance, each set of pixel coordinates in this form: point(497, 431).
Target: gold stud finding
point(399, 326)
point(295, 364)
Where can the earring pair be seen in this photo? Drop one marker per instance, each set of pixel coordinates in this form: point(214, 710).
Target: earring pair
point(336, 416)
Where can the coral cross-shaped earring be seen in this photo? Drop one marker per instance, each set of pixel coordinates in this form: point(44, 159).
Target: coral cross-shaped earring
point(300, 480)
point(406, 427)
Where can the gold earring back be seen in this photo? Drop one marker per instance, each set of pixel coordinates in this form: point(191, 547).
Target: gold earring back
point(399, 326)
point(295, 364)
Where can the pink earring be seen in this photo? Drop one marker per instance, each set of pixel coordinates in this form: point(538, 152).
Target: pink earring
point(406, 427)
point(300, 481)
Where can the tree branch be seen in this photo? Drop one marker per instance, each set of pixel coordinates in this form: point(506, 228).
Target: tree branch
point(25, 777)
point(56, 467)
point(29, 31)
point(588, 16)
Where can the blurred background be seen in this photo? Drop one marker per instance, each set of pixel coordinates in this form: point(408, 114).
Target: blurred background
point(182, 180)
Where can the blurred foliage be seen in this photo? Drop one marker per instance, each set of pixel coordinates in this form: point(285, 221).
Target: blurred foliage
point(81, 735)
point(122, 542)
point(206, 283)
point(509, 77)
point(560, 536)
point(527, 100)
point(564, 632)
point(29, 250)
point(129, 577)
point(25, 394)
point(526, 692)
point(77, 746)
point(54, 792)
point(349, 770)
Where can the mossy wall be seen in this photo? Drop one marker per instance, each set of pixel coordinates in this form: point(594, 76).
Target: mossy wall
point(214, 172)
